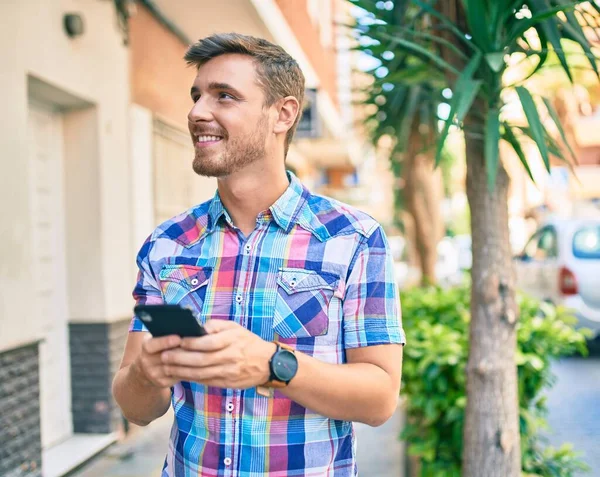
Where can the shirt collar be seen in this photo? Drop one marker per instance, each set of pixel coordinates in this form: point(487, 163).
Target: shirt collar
point(215, 211)
point(285, 211)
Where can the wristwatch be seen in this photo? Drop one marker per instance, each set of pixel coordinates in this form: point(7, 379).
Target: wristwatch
point(283, 366)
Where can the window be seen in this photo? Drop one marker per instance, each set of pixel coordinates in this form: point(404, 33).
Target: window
point(548, 247)
point(543, 245)
point(586, 242)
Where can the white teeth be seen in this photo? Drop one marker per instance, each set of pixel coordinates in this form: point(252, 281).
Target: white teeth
point(207, 138)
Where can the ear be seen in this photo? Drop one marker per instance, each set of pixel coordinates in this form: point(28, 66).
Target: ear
point(288, 110)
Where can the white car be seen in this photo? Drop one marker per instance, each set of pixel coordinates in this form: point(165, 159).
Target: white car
point(561, 264)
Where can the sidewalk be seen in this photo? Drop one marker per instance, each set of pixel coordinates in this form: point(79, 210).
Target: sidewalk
point(143, 452)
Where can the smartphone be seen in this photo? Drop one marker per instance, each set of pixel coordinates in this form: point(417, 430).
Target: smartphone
point(164, 320)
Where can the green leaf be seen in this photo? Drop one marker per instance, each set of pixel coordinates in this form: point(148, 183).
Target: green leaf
point(533, 118)
point(550, 142)
point(492, 139)
point(495, 60)
point(509, 136)
point(537, 18)
point(410, 75)
point(435, 39)
point(572, 26)
point(464, 87)
point(477, 20)
point(448, 24)
point(423, 52)
point(550, 28)
point(465, 101)
point(542, 56)
point(398, 98)
point(496, 10)
point(409, 117)
point(558, 124)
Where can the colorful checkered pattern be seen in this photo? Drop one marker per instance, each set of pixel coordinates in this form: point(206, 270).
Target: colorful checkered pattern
point(315, 274)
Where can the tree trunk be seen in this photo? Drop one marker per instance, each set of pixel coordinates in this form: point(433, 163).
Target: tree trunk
point(491, 432)
point(423, 203)
point(422, 195)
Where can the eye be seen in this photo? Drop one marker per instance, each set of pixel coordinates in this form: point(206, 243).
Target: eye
point(195, 98)
point(226, 96)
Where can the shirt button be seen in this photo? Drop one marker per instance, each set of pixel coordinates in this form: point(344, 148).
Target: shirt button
point(247, 248)
point(194, 281)
point(227, 461)
point(238, 298)
point(230, 406)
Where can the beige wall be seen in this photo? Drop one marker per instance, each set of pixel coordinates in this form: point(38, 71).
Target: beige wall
point(90, 71)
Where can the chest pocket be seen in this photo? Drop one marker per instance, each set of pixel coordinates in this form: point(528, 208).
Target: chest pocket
point(301, 306)
point(184, 285)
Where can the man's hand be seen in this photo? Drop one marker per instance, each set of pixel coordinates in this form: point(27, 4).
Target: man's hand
point(229, 357)
point(148, 366)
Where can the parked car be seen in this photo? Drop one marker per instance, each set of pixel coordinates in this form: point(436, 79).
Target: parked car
point(561, 264)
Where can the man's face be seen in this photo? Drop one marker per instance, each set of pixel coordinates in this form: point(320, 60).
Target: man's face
point(228, 122)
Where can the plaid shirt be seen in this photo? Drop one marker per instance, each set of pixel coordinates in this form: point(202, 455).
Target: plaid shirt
point(315, 274)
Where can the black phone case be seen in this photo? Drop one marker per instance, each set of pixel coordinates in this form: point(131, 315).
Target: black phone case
point(164, 320)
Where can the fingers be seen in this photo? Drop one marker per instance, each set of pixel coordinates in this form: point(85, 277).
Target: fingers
point(209, 343)
point(150, 370)
point(217, 326)
point(198, 375)
point(181, 357)
point(150, 361)
point(156, 345)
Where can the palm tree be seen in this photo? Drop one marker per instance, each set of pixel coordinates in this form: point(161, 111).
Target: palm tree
point(405, 108)
point(471, 44)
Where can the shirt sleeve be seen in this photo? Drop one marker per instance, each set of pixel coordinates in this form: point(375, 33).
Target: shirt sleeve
point(147, 289)
point(372, 313)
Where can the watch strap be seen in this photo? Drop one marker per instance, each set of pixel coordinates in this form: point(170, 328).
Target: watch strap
point(264, 390)
point(285, 346)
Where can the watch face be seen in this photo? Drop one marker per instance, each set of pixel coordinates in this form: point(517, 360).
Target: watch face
point(285, 365)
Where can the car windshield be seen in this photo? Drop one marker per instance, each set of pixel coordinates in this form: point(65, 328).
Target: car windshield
point(586, 242)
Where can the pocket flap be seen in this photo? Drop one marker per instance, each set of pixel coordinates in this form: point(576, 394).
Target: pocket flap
point(294, 280)
point(188, 276)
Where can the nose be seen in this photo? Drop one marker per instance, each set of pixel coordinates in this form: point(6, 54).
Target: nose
point(200, 112)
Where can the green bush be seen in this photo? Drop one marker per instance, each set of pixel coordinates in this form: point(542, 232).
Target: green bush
point(434, 379)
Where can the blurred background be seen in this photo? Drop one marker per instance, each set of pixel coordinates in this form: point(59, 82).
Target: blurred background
point(96, 153)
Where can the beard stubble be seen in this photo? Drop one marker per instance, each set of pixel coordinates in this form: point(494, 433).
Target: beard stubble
point(238, 153)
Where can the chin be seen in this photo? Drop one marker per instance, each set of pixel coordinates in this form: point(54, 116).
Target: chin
point(202, 170)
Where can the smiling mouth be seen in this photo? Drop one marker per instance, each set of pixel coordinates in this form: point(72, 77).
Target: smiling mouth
point(207, 140)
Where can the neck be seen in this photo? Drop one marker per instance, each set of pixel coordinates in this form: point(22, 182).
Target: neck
point(248, 192)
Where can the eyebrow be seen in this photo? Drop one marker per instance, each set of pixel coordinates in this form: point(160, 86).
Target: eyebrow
point(216, 86)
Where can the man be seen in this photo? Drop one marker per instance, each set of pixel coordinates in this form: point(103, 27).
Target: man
point(296, 291)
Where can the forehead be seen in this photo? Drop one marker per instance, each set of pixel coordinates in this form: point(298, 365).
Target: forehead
point(237, 70)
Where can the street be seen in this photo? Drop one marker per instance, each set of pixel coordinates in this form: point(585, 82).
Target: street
point(574, 405)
